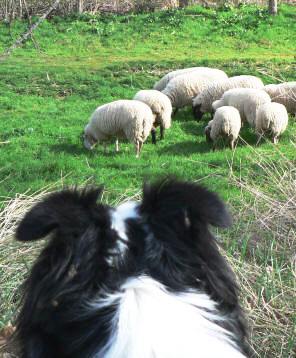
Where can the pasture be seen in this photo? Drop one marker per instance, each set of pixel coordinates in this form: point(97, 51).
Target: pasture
point(50, 87)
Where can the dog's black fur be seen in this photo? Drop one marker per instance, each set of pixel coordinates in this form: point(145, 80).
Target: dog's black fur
point(170, 242)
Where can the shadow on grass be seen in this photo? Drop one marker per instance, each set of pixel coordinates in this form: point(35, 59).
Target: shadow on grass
point(79, 149)
point(69, 148)
point(183, 115)
point(248, 136)
point(193, 128)
point(185, 148)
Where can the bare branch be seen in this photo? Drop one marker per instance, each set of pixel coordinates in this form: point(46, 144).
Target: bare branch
point(24, 37)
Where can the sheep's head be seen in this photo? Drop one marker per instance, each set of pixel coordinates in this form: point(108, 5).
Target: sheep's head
point(197, 113)
point(89, 141)
point(207, 133)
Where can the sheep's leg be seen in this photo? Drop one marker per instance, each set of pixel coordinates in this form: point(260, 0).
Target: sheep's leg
point(175, 111)
point(161, 132)
point(153, 135)
point(105, 147)
point(140, 147)
point(259, 137)
point(137, 149)
point(116, 145)
point(214, 146)
point(275, 140)
point(231, 142)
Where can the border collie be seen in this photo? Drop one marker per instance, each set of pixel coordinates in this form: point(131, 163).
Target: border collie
point(143, 280)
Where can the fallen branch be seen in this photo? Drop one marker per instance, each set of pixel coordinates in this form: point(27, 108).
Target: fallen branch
point(23, 38)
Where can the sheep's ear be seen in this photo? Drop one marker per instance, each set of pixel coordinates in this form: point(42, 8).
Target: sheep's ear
point(68, 210)
point(169, 199)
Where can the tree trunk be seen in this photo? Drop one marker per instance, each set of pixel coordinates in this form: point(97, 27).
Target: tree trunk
point(272, 7)
point(183, 3)
point(80, 6)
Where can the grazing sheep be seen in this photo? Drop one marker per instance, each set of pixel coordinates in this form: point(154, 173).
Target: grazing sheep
point(161, 107)
point(271, 118)
point(226, 123)
point(214, 91)
point(246, 100)
point(162, 83)
point(183, 88)
point(124, 118)
point(141, 280)
point(284, 93)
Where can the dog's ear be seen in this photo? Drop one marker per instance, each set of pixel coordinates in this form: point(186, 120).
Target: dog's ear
point(170, 199)
point(69, 210)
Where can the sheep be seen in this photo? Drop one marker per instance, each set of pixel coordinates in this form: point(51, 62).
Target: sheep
point(272, 118)
point(183, 88)
point(162, 83)
point(123, 118)
point(226, 123)
point(284, 93)
point(246, 100)
point(203, 102)
point(161, 107)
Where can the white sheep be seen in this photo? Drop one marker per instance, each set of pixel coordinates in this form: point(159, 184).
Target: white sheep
point(161, 107)
point(183, 88)
point(161, 84)
point(284, 93)
point(203, 102)
point(271, 118)
point(123, 118)
point(246, 100)
point(226, 124)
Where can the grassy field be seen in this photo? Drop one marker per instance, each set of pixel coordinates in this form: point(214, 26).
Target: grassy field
point(49, 88)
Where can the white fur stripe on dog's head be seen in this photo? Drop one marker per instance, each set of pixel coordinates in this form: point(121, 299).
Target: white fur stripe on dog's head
point(119, 216)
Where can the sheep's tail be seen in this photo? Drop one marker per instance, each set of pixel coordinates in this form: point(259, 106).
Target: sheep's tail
point(146, 128)
point(226, 128)
point(264, 124)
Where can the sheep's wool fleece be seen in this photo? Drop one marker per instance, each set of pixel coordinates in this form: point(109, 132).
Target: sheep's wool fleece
point(123, 118)
point(246, 100)
point(273, 117)
point(159, 103)
point(161, 84)
point(216, 89)
point(183, 88)
point(226, 122)
point(284, 93)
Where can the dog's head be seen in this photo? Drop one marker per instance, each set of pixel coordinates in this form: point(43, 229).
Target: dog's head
point(169, 227)
point(92, 246)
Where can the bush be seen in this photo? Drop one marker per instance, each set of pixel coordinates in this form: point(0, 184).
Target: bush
point(237, 21)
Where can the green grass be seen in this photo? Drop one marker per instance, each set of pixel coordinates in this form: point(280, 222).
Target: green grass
point(50, 87)
point(47, 95)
